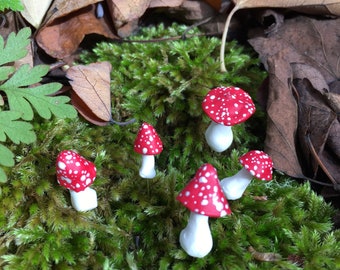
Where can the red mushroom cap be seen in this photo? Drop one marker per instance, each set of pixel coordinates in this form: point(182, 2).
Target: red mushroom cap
point(258, 163)
point(203, 194)
point(148, 141)
point(228, 105)
point(74, 172)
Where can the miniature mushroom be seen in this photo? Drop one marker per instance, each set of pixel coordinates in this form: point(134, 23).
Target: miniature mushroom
point(76, 174)
point(226, 107)
point(204, 197)
point(148, 144)
point(256, 164)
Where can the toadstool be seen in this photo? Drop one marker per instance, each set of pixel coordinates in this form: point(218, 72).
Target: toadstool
point(204, 198)
point(148, 144)
point(256, 164)
point(76, 174)
point(226, 107)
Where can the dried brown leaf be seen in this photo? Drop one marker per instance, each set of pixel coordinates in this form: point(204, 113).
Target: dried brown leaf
point(165, 3)
point(302, 59)
point(331, 7)
point(91, 91)
point(124, 11)
point(328, 7)
point(264, 256)
point(67, 24)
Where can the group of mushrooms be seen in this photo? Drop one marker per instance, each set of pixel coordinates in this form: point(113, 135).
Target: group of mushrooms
point(205, 195)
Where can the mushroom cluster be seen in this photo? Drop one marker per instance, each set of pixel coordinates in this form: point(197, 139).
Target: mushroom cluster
point(204, 198)
point(226, 107)
point(255, 164)
point(76, 173)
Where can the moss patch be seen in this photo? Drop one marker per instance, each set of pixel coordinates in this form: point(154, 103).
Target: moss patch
point(138, 221)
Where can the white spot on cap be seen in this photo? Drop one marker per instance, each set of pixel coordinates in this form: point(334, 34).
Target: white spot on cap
point(203, 180)
point(204, 202)
point(68, 180)
point(61, 165)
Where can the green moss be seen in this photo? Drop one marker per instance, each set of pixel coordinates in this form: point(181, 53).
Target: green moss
point(138, 221)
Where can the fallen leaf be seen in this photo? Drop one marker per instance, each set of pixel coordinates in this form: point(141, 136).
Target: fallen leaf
point(303, 130)
point(67, 24)
point(328, 7)
point(264, 256)
point(123, 11)
point(216, 4)
point(34, 11)
point(91, 93)
point(165, 3)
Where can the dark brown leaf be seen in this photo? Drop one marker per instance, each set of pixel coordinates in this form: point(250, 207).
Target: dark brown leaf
point(67, 24)
point(302, 59)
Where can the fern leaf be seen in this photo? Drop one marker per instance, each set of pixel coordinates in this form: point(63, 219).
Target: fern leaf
point(21, 98)
point(5, 72)
point(15, 47)
point(17, 131)
point(6, 159)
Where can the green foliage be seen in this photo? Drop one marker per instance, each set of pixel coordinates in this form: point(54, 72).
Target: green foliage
point(138, 221)
point(22, 97)
point(14, 5)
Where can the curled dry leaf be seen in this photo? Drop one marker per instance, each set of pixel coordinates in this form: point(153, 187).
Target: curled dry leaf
point(165, 3)
point(264, 256)
point(303, 128)
point(124, 11)
point(67, 23)
point(260, 198)
point(326, 7)
point(91, 94)
point(125, 14)
point(329, 7)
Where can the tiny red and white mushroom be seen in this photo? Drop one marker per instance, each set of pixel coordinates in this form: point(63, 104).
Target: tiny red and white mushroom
point(256, 164)
point(148, 144)
point(204, 198)
point(76, 173)
point(226, 107)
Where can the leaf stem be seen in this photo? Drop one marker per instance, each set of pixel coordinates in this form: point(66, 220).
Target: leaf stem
point(224, 37)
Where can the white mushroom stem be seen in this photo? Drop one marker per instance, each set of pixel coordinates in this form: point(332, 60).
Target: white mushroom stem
point(147, 169)
point(84, 200)
point(196, 237)
point(219, 137)
point(234, 186)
